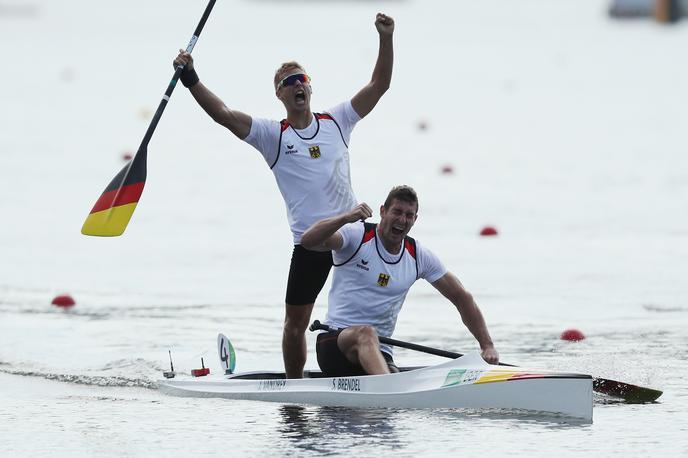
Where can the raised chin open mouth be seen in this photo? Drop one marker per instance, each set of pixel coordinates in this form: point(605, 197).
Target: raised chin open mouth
point(300, 97)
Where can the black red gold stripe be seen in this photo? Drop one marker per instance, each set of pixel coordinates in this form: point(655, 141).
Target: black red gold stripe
point(113, 209)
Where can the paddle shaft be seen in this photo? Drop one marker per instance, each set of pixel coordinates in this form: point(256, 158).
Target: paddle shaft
point(627, 391)
point(317, 325)
point(177, 73)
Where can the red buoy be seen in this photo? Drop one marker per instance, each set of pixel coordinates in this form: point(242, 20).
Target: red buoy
point(447, 169)
point(488, 231)
point(63, 300)
point(127, 156)
point(572, 335)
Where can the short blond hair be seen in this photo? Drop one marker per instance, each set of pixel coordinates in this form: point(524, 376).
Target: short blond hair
point(284, 68)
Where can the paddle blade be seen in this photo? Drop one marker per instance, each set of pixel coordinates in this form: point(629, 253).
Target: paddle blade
point(626, 391)
point(225, 351)
point(112, 211)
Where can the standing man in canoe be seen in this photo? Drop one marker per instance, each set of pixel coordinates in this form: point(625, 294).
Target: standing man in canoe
point(309, 155)
point(375, 265)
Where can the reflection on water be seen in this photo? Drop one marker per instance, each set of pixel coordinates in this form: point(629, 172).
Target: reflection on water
point(332, 429)
point(466, 418)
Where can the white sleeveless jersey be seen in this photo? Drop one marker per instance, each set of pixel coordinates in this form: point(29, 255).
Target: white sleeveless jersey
point(370, 286)
point(312, 171)
point(313, 174)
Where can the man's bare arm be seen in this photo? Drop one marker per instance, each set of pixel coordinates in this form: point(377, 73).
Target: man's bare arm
point(323, 235)
point(237, 122)
point(472, 317)
point(366, 99)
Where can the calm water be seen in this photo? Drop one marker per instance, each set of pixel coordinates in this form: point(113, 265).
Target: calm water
point(565, 130)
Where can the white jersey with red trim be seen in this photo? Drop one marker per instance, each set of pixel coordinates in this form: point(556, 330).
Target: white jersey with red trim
point(369, 285)
point(311, 165)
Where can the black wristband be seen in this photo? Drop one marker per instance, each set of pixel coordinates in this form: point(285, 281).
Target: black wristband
point(189, 77)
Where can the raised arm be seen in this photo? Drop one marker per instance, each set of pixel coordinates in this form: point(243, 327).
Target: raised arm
point(236, 121)
point(472, 317)
point(323, 235)
point(367, 98)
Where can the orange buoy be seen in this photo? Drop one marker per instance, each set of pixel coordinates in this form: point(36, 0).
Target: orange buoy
point(488, 231)
point(572, 335)
point(63, 300)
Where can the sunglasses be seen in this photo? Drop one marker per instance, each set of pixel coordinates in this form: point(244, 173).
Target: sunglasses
point(292, 79)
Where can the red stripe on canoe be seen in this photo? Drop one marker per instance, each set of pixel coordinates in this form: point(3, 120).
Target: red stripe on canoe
point(527, 376)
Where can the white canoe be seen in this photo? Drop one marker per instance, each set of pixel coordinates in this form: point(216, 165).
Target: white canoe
point(467, 382)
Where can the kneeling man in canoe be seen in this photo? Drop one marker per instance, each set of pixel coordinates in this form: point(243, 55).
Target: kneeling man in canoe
point(375, 265)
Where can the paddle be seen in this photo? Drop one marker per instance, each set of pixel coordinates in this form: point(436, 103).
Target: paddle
point(112, 211)
point(626, 391)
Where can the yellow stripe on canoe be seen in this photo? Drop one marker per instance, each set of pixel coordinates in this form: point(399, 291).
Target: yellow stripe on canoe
point(110, 222)
point(496, 376)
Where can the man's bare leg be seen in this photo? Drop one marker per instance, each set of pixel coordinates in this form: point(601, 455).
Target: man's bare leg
point(294, 352)
point(361, 346)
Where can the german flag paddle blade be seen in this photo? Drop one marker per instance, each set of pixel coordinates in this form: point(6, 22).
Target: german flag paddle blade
point(112, 212)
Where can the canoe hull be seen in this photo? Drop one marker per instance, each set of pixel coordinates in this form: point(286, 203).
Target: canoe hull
point(467, 383)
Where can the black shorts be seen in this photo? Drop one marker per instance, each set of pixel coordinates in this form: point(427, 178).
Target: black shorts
point(332, 361)
point(307, 275)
